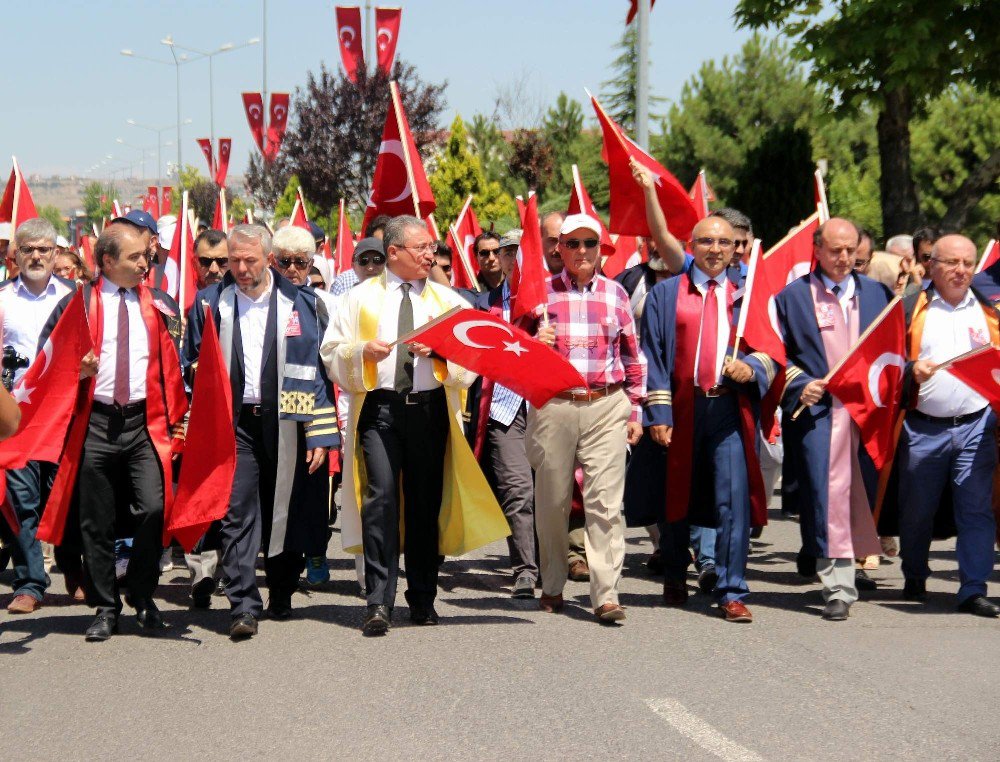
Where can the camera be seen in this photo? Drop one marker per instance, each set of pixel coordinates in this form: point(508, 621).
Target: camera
point(11, 361)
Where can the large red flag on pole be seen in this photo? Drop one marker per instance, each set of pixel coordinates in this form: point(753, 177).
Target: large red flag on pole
point(979, 370)
point(276, 125)
point(206, 477)
point(432, 227)
point(253, 104)
point(180, 260)
point(868, 381)
point(222, 166)
point(528, 292)
point(349, 37)
point(701, 193)
point(387, 21)
point(151, 201)
point(580, 203)
point(627, 254)
point(299, 218)
point(17, 204)
point(344, 255)
point(205, 144)
point(47, 391)
point(991, 255)
point(220, 219)
point(628, 204)
point(400, 185)
point(166, 200)
point(461, 237)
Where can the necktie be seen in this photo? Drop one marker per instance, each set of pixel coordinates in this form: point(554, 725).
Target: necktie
point(121, 353)
point(709, 338)
point(404, 357)
point(836, 291)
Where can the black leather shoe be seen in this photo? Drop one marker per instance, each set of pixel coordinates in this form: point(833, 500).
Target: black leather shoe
point(243, 627)
point(201, 593)
point(915, 590)
point(376, 621)
point(280, 609)
point(863, 582)
point(805, 564)
point(220, 588)
point(423, 615)
point(103, 628)
point(707, 578)
point(979, 605)
point(836, 611)
point(150, 619)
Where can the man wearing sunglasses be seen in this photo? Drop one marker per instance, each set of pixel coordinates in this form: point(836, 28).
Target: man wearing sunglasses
point(368, 262)
point(212, 257)
point(487, 249)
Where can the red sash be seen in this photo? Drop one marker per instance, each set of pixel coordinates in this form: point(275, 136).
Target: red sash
point(166, 404)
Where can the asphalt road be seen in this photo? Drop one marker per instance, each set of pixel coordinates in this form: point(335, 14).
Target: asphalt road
point(498, 679)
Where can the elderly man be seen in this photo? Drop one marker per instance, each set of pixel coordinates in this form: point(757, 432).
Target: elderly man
point(367, 262)
point(948, 437)
point(699, 408)
point(405, 450)
point(589, 322)
point(284, 418)
point(901, 246)
point(821, 316)
point(26, 302)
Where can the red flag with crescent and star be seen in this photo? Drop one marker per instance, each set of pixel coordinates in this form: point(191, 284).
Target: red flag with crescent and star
point(46, 392)
point(701, 193)
point(980, 371)
point(461, 236)
point(166, 199)
point(17, 204)
point(276, 125)
point(222, 167)
point(205, 144)
point(400, 185)
point(528, 292)
point(151, 201)
point(349, 37)
point(490, 346)
point(869, 381)
point(253, 104)
point(387, 21)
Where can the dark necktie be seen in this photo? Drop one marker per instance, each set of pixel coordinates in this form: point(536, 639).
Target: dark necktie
point(404, 357)
point(709, 338)
point(836, 291)
point(121, 353)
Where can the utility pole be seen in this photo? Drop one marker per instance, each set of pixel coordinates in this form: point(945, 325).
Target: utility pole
point(371, 54)
point(642, 75)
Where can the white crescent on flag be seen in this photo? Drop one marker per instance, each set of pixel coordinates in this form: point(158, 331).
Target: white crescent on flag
point(347, 37)
point(255, 111)
point(280, 112)
point(383, 31)
point(461, 332)
point(996, 376)
point(883, 361)
point(395, 147)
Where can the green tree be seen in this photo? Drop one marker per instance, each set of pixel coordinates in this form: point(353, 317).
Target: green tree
point(97, 198)
point(459, 173)
point(562, 129)
point(491, 148)
point(895, 56)
point(53, 215)
point(618, 95)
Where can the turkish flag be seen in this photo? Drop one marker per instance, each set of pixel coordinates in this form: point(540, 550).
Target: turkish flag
point(345, 241)
point(634, 9)
point(47, 391)
point(461, 237)
point(528, 291)
point(387, 22)
point(151, 201)
point(991, 255)
point(166, 200)
point(179, 266)
point(87, 251)
point(580, 203)
point(869, 381)
point(17, 204)
point(786, 261)
point(222, 168)
point(206, 477)
point(349, 36)
point(400, 185)
point(980, 371)
point(219, 217)
point(276, 125)
point(490, 346)
point(701, 193)
point(299, 218)
point(628, 204)
point(627, 254)
point(116, 211)
point(253, 104)
point(205, 144)
point(432, 227)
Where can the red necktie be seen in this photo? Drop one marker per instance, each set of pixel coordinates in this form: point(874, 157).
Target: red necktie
point(121, 353)
point(709, 338)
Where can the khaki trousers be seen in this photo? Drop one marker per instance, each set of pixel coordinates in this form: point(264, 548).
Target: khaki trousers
point(593, 433)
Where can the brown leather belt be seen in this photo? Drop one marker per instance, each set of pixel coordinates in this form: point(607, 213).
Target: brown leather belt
point(716, 391)
point(590, 394)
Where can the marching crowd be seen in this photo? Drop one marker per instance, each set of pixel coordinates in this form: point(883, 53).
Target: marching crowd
point(431, 461)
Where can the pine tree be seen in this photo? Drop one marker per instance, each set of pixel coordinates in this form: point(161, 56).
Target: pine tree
point(619, 94)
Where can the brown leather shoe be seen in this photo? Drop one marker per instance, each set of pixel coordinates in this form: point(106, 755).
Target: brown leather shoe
point(609, 612)
point(551, 603)
point(579, 571)
point(23, 604)
point(735, 611)
point(674, 593)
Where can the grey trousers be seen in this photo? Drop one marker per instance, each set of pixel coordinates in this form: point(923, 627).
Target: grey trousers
point(837, 576)
point(510, 477)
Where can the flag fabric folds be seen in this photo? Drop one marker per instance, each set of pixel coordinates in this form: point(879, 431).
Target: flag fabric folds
point(205, 144)
point(276, 125)
point(528, 291)
point(387, 21)
point(461, 237)
point(980, 370)
point(253, 104)
point(222, 165)
point(344, 255)
point(349, 37)
point(17, 204)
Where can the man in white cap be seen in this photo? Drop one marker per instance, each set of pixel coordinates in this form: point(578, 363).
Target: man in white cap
point(589, 321)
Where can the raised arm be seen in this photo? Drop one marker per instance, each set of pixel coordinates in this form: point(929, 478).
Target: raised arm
point(670, 249)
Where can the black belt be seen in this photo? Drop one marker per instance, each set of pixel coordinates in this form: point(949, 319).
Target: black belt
point(953, 420)
point(126, 411)
point(410, 398)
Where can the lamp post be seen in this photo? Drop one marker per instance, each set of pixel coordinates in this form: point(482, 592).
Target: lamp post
point(142, 154)
point(159, 143)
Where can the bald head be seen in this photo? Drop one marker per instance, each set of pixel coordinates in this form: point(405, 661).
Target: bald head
point(953, 245)
point(834, 245)
point(952, 263)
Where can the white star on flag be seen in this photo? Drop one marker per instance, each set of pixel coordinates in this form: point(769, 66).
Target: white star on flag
point(22, 394)
point(515, 347)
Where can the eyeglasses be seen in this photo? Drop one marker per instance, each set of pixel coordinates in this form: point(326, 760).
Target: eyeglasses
point(708, 243)
point(588, 243)
point(375, 259)
point(427, 248)
point(42, 250)
point(207, 262)
point(954, 264)
point(300, 264)
point(485, 253)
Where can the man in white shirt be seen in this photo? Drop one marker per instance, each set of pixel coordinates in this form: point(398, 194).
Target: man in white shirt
point(948, 438)
point(26, 302)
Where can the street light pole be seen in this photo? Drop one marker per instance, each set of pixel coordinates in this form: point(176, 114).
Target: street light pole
point(642, 75)
point(159, 142)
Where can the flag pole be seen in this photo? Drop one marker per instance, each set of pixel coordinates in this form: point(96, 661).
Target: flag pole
point(747, 291)
point(854, 348)
point(17, 198)
point(182, 245)
point(964, 356)
point(429, 324)
point(464, 257)
point(397, 105)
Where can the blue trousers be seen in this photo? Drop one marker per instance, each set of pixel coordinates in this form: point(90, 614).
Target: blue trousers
point(719, 483)
point(930, 455)
point(703, 545)
point(27, 490)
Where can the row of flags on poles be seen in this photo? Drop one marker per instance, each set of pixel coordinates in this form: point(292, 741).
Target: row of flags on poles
point(349, 35)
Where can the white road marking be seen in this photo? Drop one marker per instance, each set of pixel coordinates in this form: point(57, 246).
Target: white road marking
point(690, 725)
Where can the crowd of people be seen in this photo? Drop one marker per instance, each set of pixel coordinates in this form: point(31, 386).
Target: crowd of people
point(329, 393)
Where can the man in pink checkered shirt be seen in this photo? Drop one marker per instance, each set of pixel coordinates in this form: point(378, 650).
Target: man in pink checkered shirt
point(589, 322)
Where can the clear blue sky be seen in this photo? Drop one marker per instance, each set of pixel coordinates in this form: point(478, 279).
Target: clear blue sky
point(68, 90)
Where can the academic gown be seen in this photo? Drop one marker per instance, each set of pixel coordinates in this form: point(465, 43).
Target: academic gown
point(297, 407)
point(807, 439)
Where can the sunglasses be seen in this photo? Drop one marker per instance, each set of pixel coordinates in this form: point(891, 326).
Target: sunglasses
point(300, 264)
point(588, 243)
point(375, 259)
point(207, 262)
point(485, 253)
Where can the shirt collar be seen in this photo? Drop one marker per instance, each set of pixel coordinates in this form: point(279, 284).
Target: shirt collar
point(570, 283)
point(700, 278)
point(50, 288)
point(846, 285)
point(393, 282)
point(967, 301)
point(265, 295)
point(107, 287)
